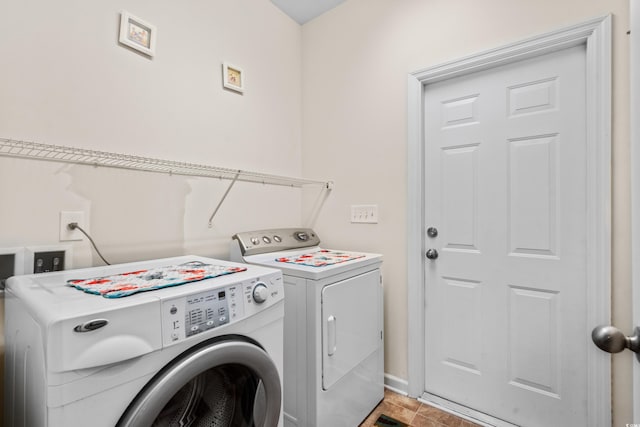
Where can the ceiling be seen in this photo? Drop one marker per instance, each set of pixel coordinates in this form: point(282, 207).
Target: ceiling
point(303, 11)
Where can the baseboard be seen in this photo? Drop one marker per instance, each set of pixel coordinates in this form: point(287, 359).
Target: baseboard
point(395, 384)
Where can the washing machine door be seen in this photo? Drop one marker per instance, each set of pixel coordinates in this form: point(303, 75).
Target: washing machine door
point(229, 383)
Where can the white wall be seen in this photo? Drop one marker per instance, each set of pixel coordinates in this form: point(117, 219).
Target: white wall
point(355, 64)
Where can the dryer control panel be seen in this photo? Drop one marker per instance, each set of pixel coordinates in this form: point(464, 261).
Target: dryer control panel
point(275, 240)
point(197, 313)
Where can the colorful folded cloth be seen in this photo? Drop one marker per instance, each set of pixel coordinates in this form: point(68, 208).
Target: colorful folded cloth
point(125, 284)
point(321, 258)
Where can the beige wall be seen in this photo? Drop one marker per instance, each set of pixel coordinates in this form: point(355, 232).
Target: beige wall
point(67, 81)
point(355, 64)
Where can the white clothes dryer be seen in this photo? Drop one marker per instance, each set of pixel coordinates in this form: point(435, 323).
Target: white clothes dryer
point(208, 352)
point(333, 325)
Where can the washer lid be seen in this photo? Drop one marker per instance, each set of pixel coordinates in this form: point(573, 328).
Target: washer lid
point(49, 298)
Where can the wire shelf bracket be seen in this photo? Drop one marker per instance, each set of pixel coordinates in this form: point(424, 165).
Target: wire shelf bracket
point(81, 156)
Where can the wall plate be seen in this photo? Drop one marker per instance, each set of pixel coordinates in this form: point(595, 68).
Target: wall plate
point(31, 252)
point(66, 217)
point(18, 263)
point(367, 214)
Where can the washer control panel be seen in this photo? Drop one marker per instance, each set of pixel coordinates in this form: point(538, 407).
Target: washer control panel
point(186, 316)
point(206, 311)
point(276, 240)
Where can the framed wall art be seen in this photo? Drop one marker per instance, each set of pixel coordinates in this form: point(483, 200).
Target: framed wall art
point(232, 77)
point(137, 33)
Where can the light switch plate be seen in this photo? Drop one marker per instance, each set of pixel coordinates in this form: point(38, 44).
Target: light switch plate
point(366, 214)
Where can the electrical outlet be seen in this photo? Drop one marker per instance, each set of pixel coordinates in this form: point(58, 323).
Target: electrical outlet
point(66, 217)
point(367, 214)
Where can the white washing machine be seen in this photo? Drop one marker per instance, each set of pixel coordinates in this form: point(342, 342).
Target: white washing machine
point(207, 352)
point(333, 326)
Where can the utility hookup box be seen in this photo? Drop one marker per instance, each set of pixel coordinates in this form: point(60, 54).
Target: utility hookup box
point(44, 262)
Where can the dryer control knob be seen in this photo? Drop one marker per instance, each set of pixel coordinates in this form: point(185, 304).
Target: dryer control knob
point(260, 293)
point(301, 236)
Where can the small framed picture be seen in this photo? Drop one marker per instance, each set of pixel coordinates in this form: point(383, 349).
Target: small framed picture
point(232, 77)
point(137, 33)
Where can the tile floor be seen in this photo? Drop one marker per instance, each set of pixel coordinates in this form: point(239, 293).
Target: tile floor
point(413, 413)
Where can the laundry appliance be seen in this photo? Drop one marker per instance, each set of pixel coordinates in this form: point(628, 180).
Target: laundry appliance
point(200, 344)
point(333, 340)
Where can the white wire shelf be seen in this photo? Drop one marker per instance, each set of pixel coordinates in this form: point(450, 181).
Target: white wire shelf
point(57, 153)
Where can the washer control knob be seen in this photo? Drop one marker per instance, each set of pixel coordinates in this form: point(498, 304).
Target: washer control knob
point(301, 235)
point(260, 293)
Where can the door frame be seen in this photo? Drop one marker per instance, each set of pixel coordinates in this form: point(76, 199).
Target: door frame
point(595, 34)
point(634, 10)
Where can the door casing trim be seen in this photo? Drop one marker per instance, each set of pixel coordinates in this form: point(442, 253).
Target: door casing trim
point(634, 10)
point(595, 34)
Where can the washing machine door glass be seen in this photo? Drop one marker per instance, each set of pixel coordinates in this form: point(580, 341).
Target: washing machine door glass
point(223, 384)
point(221, 396)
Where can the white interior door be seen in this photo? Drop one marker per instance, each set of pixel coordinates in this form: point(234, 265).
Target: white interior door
point(506, 330)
